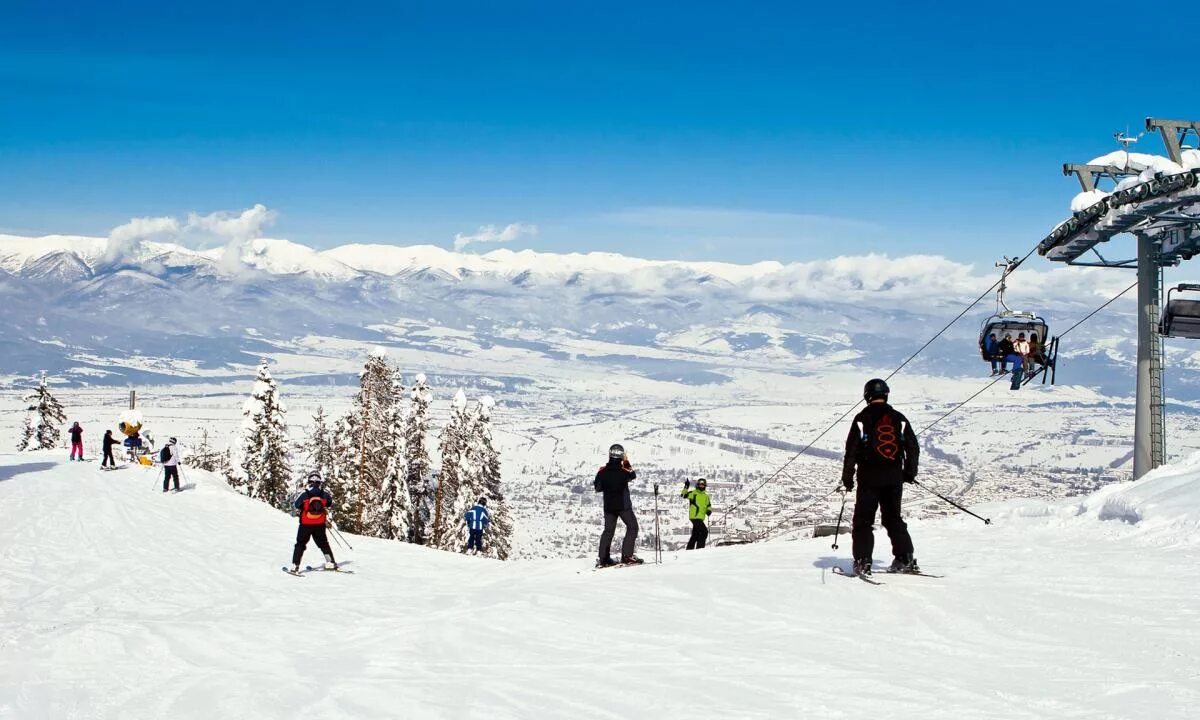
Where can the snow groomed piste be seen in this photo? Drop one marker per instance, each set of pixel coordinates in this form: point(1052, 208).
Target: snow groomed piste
point(120, 602)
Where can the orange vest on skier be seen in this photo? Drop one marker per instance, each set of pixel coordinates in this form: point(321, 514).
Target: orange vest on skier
point(314, 510)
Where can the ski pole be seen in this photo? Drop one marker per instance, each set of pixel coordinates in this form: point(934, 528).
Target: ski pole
point(986, 521)
point(838, 530)
point(338, 534)
point(657, 537)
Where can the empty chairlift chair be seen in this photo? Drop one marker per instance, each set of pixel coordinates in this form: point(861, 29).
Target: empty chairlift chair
point(1181, 317)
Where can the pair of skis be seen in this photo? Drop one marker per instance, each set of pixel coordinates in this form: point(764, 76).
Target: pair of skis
point(310, 569)
point(871, 581)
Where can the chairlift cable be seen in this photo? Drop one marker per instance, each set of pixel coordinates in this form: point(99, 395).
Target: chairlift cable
point(773, 476)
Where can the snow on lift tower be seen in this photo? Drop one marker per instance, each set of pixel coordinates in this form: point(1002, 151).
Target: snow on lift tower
point(1007, 321)
point(1181, 318)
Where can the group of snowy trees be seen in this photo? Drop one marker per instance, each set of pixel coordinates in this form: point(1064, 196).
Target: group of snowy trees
point(375, 461)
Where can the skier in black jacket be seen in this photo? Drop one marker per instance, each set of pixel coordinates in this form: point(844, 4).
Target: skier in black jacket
point(883, 448)
point(613, 480)
point(108, 443)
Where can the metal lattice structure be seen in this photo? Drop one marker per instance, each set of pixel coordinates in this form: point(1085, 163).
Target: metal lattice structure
point(1161, 209)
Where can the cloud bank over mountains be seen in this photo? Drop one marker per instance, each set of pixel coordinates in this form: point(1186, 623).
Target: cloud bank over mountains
point(214, 292)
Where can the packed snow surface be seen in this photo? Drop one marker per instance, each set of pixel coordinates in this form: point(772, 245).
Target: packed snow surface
point(122, 602)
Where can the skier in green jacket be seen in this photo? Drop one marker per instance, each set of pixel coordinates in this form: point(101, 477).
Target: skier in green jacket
point(699, 508)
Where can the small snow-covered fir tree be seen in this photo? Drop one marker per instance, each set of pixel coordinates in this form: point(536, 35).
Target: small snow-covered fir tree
point(453, 479)
point(485, 461)
point(266, 461)
point(393, 514)
point(365, 447)
point(43, 423)
point(417, 464)
point(205, 457)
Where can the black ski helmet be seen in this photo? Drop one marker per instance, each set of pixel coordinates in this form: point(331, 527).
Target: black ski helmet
point(483, 501)
point(616, 452)
point(875, 389)
point(314, 478)
point(701, 484)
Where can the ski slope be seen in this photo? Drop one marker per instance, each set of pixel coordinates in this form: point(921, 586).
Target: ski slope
point(117, 601)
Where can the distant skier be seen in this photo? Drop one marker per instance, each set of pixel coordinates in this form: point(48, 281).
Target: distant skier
point(883, 448)
point(76, 433)
point(699, 508)
point(169, 457)
point(613, 480)
point(313, 504)
point(107, 443)
point(477, 521)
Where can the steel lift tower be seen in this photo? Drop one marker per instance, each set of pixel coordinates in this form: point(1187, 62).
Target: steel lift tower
point(1161, 210)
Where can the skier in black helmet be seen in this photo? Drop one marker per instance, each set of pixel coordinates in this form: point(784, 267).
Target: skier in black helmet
point(613, 480)
point(883, 448)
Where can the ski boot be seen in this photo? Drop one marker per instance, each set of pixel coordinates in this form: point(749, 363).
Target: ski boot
point(631, 560)
point(862, 567)
point(329, 563)
point(904, 564)
point(605, 562)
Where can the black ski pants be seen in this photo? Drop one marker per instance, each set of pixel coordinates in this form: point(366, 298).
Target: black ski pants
point(610, 528)
point(317, 533)
point(884, 499)
point(170, 472)
point(108, 458)
point(699, 535)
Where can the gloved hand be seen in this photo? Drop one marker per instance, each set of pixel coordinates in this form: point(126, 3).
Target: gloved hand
point(687, 484)
point(848, 484)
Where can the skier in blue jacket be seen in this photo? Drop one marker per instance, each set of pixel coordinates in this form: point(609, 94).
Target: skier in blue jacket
point(477, 522)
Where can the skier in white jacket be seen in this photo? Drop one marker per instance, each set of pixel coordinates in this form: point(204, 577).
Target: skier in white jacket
point(169, 456)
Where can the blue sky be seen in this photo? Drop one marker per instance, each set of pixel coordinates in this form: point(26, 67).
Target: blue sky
point(733, 131)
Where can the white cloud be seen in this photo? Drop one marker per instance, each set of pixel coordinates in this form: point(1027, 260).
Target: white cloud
point(125, 241)
point(492, 234)
point(236, 230)
point(234, 226)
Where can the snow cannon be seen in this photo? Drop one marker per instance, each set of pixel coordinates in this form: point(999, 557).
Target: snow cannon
point(131, 423)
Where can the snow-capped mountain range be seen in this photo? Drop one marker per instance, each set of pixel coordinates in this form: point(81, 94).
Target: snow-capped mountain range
point(166, 312)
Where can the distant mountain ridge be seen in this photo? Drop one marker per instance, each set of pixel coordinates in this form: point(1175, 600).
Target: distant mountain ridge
point(162, 312)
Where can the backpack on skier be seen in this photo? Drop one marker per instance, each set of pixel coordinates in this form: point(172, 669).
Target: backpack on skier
point(881, 439)
point(164, 454)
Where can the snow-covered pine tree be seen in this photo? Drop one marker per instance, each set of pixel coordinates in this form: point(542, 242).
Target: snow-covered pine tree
point(394, 514)
point(365, 447)
point(43, 424)
point(320, 448)
point(485, 459)
point(266, 461)
point(448, 493)
point(416, 451)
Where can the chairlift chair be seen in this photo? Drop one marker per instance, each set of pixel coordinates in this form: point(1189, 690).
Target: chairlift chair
point(1007, 321)
point(1181, 318)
